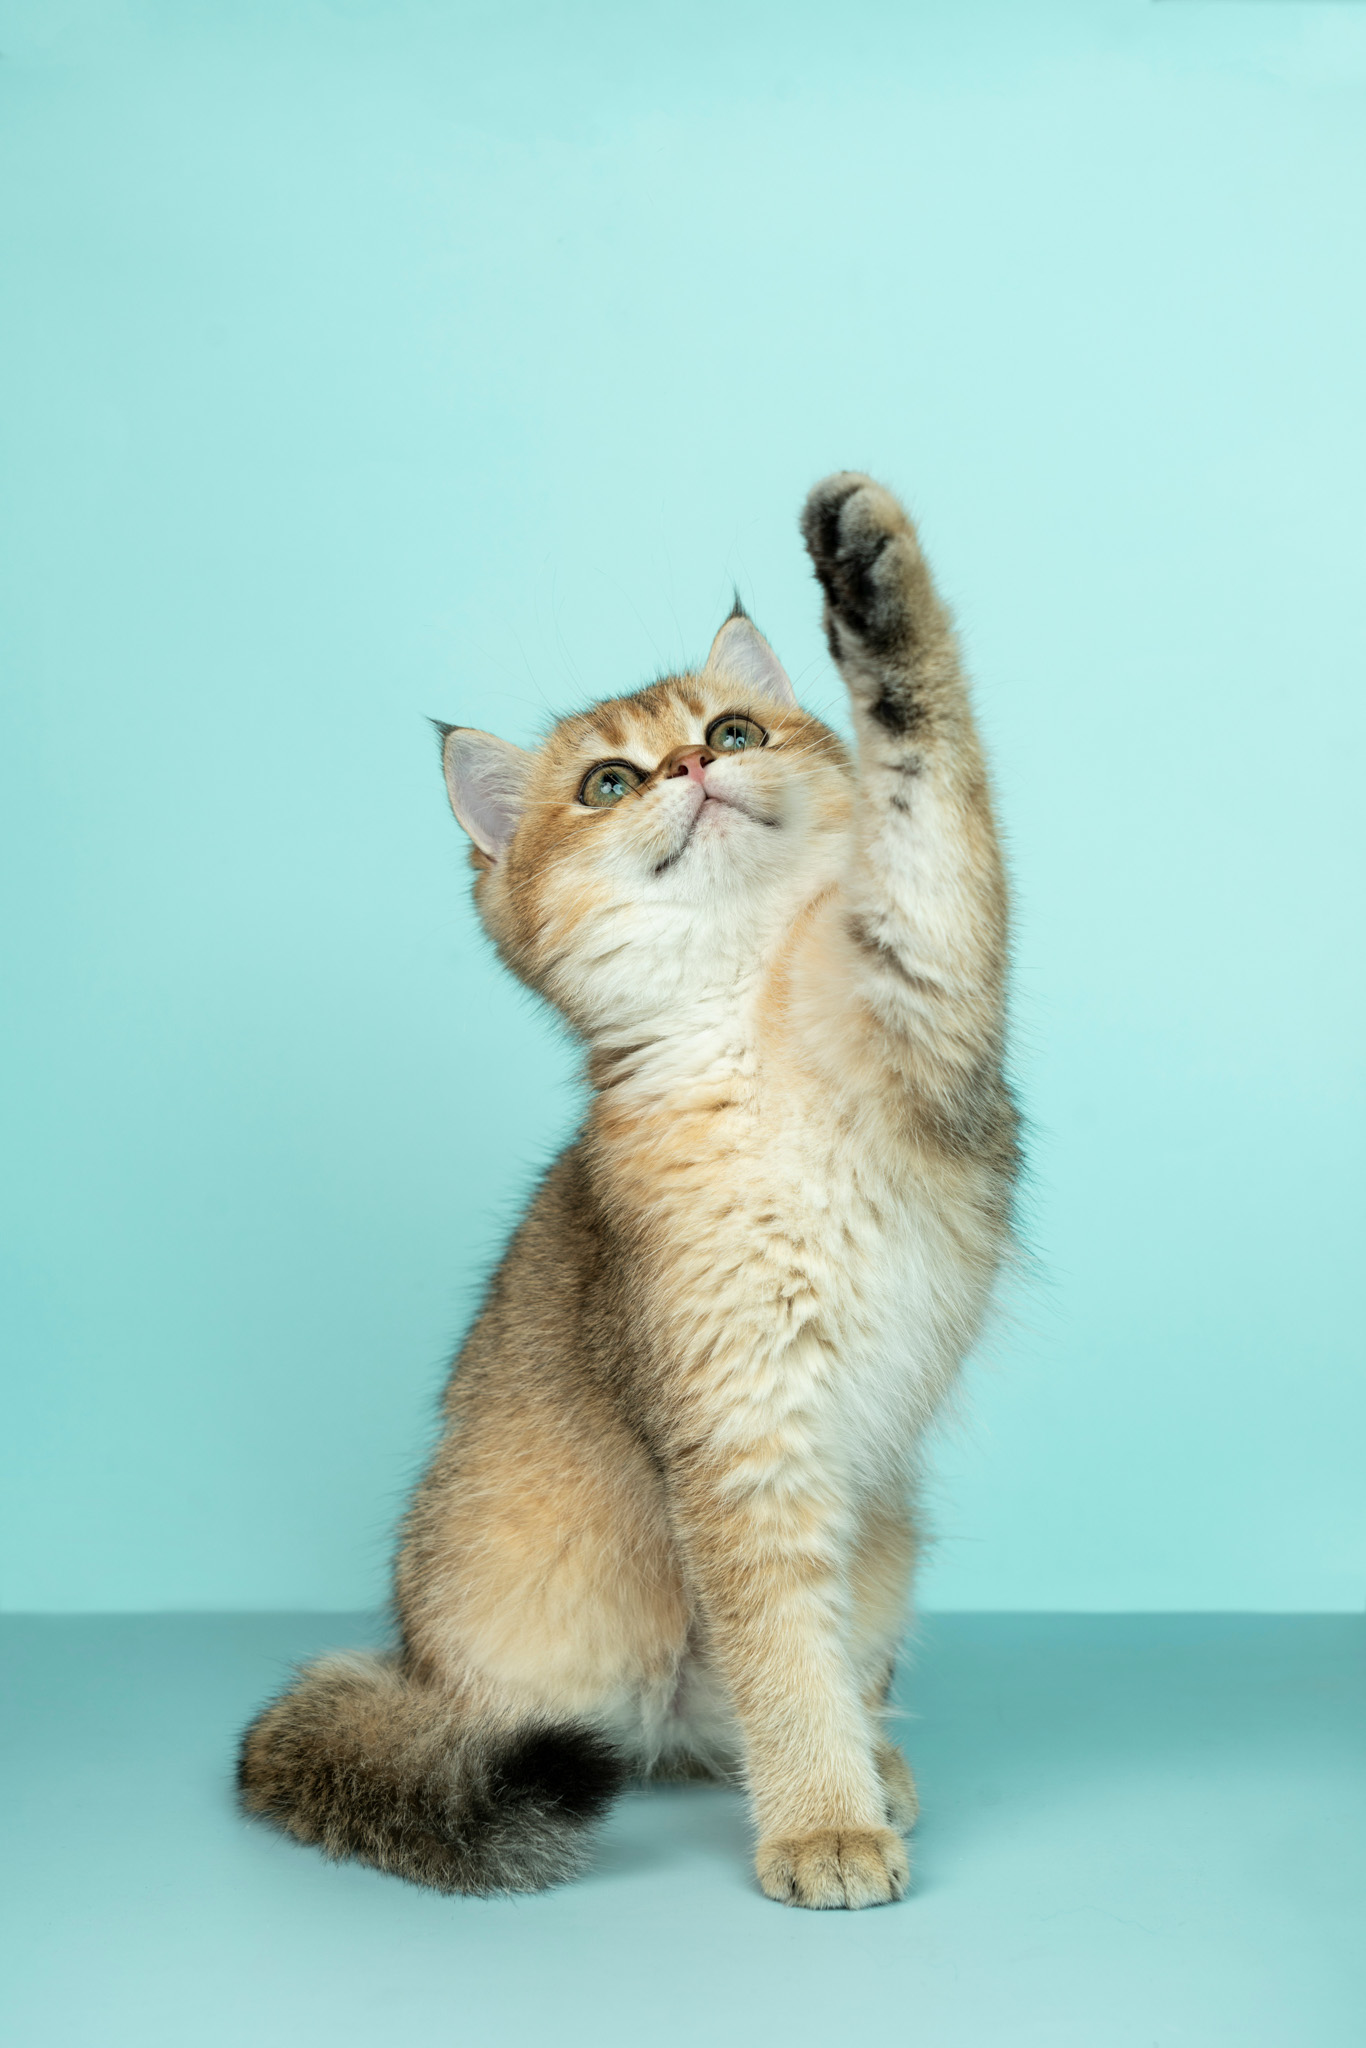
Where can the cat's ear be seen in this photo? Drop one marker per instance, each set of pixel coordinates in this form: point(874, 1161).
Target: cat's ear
point(740, 650)
point(486, 781)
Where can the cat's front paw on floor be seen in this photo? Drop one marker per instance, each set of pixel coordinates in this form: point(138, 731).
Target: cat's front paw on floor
point(834, 1867)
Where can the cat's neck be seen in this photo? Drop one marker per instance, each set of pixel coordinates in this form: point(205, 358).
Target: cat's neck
point(691, 1031)
point(668, 1048)
point(675, 1004)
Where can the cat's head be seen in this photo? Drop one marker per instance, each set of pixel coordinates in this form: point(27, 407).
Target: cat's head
point(654, 847)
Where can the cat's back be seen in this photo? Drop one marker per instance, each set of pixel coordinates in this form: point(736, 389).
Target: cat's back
point(533, 1313)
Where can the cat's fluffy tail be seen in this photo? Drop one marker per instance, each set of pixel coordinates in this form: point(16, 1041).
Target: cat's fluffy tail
point(361, 1761)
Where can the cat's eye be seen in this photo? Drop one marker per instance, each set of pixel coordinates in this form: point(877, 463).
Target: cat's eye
point(734, 732)
point(608, 783)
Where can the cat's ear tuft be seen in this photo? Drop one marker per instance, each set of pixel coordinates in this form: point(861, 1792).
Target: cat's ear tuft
point(740, 650)
point(486, 782)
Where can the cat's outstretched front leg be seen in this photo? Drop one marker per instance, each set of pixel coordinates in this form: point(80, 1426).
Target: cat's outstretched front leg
point(921, 922)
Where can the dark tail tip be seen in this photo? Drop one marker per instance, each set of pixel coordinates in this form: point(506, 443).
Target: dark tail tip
point(565, 1770)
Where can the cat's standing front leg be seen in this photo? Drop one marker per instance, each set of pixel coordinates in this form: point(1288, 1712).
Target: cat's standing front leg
point(765, 1556)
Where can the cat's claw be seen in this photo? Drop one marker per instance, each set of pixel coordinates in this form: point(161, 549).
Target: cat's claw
point(847, 1867)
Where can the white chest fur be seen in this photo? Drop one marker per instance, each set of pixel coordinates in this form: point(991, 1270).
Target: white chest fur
point(816, 1288)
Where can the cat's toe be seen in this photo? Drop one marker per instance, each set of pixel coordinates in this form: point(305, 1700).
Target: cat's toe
point(834, 1867)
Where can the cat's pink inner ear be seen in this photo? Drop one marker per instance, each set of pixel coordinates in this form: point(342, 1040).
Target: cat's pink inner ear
point(740, 650)
point(486, 781)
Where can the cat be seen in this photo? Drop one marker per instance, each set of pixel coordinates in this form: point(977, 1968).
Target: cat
point(669, 1530)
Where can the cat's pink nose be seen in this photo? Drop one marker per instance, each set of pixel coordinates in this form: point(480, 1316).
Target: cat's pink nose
point(689, 761)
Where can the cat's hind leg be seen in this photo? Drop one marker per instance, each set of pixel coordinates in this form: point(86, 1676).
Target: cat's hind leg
point(543, 1626)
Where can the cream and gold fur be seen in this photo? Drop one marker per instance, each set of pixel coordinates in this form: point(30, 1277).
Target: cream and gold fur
point(668, 1530)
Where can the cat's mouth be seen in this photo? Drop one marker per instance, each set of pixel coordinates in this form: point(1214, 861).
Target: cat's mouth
point(733, 803)
point(712, 797)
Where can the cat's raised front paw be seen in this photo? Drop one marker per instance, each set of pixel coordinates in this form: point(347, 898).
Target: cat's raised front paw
point(834, 1867)
point(867, 559)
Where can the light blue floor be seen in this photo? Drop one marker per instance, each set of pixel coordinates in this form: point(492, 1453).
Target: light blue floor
point(1137, 1830)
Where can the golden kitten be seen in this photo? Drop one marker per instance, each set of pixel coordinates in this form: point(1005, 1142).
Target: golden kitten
point(668, 1530)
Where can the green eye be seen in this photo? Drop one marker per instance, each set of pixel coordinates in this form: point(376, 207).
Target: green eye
point(608, 783)
point(732, 733)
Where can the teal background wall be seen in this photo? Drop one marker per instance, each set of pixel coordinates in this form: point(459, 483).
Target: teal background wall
point(365, 361)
